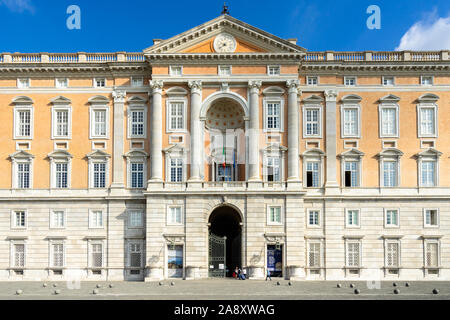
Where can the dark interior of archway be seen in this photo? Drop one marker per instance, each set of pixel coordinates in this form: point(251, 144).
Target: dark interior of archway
point(225, 221)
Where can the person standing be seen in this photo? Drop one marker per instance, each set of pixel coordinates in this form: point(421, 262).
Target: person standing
point(268, 275)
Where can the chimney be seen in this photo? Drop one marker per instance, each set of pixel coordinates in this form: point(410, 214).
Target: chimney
point(292, 40)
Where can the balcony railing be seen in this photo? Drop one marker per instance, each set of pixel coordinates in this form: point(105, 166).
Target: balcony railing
point(222, 186)
point(378, 56)
point(80, 57)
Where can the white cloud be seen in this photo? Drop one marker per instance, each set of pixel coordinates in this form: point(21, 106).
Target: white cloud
point(18, 5)
point(429, 34)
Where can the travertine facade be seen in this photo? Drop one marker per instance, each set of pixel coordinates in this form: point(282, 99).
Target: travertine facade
point(118, 166)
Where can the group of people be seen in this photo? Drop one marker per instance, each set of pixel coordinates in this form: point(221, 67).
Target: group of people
point(241, 275)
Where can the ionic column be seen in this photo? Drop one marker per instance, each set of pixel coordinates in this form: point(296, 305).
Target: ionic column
point(330, 138)
point(254, 131)
point(118, 139)
point(293, 131)
point(196, 130)
point(156, 131)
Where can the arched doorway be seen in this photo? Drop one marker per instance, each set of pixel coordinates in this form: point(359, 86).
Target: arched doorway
point(224, 221)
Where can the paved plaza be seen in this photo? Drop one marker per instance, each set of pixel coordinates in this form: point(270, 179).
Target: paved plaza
point(223, 289)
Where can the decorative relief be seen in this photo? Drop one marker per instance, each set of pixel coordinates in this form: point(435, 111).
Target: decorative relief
point(156, 85)
point(254, 85)
point(292, 86)
point(119, 96)
point(330, 95)
point(225, 42)
point(195, 85)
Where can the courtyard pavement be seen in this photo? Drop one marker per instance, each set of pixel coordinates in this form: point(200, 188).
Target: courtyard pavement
point(224, 289)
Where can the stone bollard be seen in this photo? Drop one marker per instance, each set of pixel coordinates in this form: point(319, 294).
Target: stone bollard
point(19, 292)
point(338, 285)
point(95, 291)
point(435, 291)
point(111, 285)
point(98, 286)
point(357, 291)
point(57, 291)
point(396, 291)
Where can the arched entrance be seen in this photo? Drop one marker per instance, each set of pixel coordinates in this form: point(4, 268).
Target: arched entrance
point(224, 221)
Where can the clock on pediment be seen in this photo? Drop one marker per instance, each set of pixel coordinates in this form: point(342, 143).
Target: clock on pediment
point(224, 42)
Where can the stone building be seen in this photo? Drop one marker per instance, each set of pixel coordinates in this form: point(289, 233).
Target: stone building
point(225, 146)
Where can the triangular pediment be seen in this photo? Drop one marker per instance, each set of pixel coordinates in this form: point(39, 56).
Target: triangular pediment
point(248, 39)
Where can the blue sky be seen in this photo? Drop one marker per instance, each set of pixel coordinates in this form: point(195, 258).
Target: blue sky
point(106, 26)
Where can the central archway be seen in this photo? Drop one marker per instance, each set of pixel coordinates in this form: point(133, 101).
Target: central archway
point(225, 221)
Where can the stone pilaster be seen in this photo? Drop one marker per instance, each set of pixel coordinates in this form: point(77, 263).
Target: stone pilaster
point(196, 130)
point(330, 140)
point(118, 140)
point(254, 132)
point(156, 132)
point(293, 132)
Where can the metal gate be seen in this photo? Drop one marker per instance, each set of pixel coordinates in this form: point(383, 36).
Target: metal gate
point(217, 256)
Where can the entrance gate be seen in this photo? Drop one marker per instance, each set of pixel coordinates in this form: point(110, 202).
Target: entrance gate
point(217, 256)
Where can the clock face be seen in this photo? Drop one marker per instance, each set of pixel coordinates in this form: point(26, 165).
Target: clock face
point(224, 42)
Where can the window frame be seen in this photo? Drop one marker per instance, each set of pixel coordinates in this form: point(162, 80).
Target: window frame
point(58, 83)
point(12, 257)
point(268, 219)
point(90, 219)
point(54, 173)
point(55, 110)
point(390, 226)
point(28, 85)
point(349, 241)
point(321, 253)
point(169, 102)
point(348, 78)
point(311, 77)
point(388, 241)
point(426, 241)
point(169, 217)
point(92, 109)
point(273, 100)
point(92, 242)
point(220, 70)
point(423, 84)
point(13, 224)
point(130, 212)
point(52, 221)
point(172, 73)
point(352, 226)
point(317, 107)
point(319, 217)
point(394, 106)
point(344, 107)
point(427, 105)
point(274, 66)
point(420, 163)
point(130, 110)
point(383, 78)
point(17, 109)
point(358, 171)
point(92, 164)
point(96, 79)
point(53, 242)
point(431, 226)
point(15, 172)
point(141, 83)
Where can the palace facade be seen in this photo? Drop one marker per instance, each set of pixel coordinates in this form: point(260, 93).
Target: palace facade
point(225, 146)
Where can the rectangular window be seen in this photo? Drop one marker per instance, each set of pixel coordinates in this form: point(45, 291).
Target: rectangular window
point(176, 116)
point(274, 215)
point(57, 255)
point(389, 121)
point(390, 173)
point(61, 82)
point(96, 219)
point(23, 83)
point(431, 254)
point(312, 122)
point(314, 216)
point(427, 121)
point(273, 116)
point(99, 175)
point(426, 80)
point(224, 70)
point(61, 175)
point(57, 219)
point(273, 70)
point(350, 122)
point(175, 215)
point(99, 125)
point(428, 173)
point(392, 254)
point(135, 219)
point(273, 169)
point(19, 219)
point(61, 123)
point(137, 81)
point(353, 254)
point(312, 174)
point(392, 218)
point(137, 123)
point(99, 82)
point(23, 175)
point(312, 81)
point(314, 256)
point(23, 128)
point(175, 261)
point(176, 170)
point(352, 218)
point(135, 255)
point(350, 81)
point(431, 218)
point(388, 81)
point(351, 173)
point(137, 175)
point(18, 255)
point(96, 255)
point(176, 70)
